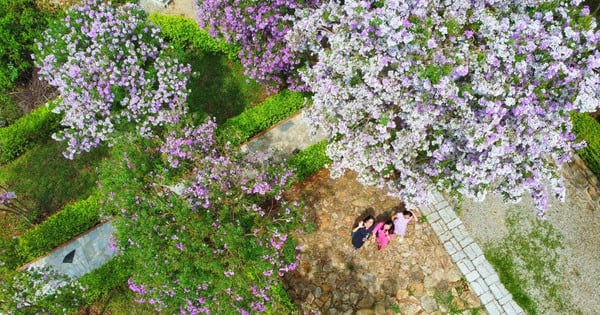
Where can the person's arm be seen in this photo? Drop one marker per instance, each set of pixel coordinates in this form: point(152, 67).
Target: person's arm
point(361, 224)
point(376, 229)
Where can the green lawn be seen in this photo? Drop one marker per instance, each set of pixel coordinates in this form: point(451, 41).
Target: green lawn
point(45, 181)
point(219, 87)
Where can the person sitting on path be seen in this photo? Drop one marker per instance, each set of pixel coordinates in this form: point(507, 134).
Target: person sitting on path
point(401, 220)
point(383, 233)
point(361, 233)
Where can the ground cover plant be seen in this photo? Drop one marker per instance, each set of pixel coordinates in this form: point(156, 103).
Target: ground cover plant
point(218, 245)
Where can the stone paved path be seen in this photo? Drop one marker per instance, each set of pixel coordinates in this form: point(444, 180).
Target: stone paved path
point(412, 276)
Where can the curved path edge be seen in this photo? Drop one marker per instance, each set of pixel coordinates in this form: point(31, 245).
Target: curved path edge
point(469, 258)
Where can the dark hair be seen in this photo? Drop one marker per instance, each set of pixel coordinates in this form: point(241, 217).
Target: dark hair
point(406, 212)
point(391, 224)
point(369, 217)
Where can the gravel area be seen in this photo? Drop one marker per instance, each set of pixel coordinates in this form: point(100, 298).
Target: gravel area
point(577, 219)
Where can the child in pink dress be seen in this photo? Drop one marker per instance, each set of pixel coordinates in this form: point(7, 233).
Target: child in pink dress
point(383, 233)
point(401, 220)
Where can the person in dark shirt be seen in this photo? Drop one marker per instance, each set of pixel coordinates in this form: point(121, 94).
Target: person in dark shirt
point(361, 233)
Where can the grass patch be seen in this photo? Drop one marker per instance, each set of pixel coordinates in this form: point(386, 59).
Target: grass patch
point(528, 263)
point(588, 129)
point(219, 87)
point(46, 181)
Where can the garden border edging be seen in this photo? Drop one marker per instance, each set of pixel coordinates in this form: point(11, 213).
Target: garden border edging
point(469, 258)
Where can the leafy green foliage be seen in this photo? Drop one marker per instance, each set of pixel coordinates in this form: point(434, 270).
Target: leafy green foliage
point(72, 220)
point(27, 131)
point(9, 110)
point(261, 117)
point(21, 21)
point(588, 129)
point(185, 34)
point(309, 160)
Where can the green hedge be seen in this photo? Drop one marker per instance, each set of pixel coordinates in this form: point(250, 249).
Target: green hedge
point(261, 117)
point(184, 33)
point(59, 228)
point(588, 129)
point(107, 277)
point(309, 160)
point(27, 131)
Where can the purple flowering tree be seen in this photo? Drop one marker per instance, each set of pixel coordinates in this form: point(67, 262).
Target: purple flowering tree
point(213, 242)
point(468, 97)
point(259, 28)
point(113, 70)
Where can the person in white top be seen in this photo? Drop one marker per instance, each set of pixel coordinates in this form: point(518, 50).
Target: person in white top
point(401, 220)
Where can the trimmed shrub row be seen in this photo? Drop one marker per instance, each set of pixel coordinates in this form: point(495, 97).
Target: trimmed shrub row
point(309, 160)
point(111, 275)
point(184, 33)
point(588, 129)
point(261, 117)
point(71, 221)
point(27, 131)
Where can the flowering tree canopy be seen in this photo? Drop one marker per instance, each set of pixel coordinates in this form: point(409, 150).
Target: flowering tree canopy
point(217, 242)
point(111, 67)
point(259, 28)
point(469, 97)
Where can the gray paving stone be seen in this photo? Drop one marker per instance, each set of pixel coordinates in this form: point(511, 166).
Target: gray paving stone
point(485, 268)
point(459, 233)
point(439, 227)
point(444, 236)
point(454, 223)
point(493, 308)
point(451, 246)
point(447, 214)
point(486, 297)
point(472, 276)
point(507, 298)
point(465, 266)
point(478, 261)
point(491, 279)
point(473, 251)
point(433, 216)
point(458, 256)
point(466, 240)
point(428, 210)
point(497, 291)
point(478, 286)
point(512, 308)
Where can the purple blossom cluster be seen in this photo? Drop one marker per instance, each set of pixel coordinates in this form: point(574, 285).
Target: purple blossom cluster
point(7, 197)
point(468, 97)
point(112, 70)
point(260, 29)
